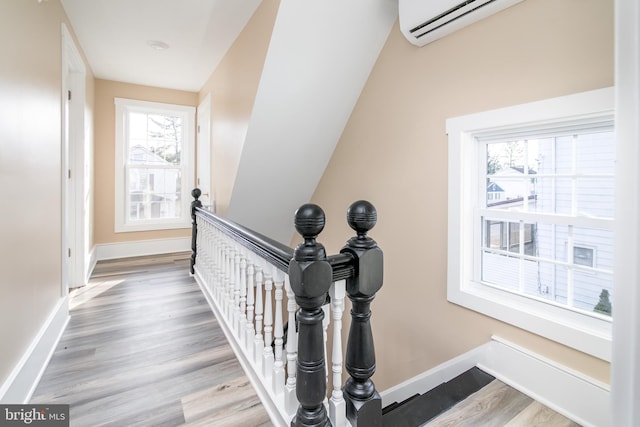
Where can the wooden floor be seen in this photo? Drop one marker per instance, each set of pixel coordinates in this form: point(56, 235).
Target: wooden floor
point(142, 348)
point(498, 405)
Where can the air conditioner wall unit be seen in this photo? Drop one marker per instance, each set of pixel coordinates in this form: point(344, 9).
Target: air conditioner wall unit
point(424, 21)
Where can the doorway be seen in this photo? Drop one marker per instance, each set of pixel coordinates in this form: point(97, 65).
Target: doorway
point(76, 200)
point(203, 164)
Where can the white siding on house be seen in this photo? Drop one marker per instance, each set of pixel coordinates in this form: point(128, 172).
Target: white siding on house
point(570, 174)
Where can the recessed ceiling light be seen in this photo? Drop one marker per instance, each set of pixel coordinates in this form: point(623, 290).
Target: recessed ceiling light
point(157, 45)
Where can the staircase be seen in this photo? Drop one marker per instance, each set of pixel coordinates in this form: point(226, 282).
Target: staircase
point(420, 408)
point(473, 398)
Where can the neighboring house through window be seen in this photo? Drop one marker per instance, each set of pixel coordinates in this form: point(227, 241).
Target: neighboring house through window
point(154, 165)
point(531, 202)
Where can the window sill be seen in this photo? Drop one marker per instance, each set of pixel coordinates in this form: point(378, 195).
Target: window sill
point(586, 333)
point(148, 226)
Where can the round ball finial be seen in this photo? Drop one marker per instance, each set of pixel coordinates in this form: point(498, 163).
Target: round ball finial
point(196, 193)
point(362, 217)
point(309, 220)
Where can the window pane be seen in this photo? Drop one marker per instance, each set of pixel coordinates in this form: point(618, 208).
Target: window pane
point(503, 156)
point(593, 292)
point(552, 195)
point(503, 235)
point(508, 164)
point(538, 154)
point(500, 270)
point(593, 248)
point(551, 241)
point(583, 256)
point(559, 289)
point(154, 193)
point(598, 240)
point(154, 138)
point(545, 280)
point(493, 234)
point(138, 128)
point(595, 196)
point(596, 153)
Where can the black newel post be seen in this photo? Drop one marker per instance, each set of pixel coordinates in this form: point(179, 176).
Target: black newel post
point(194, 227)
point(310, 276)
point(364, 405)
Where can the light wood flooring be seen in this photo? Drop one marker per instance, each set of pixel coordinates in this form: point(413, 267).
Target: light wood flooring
point(498, 405)
point(142, 348)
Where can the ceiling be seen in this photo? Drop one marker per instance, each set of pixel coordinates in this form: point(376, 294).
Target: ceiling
point(115, 36)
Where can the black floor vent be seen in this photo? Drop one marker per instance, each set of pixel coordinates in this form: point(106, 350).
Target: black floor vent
point(420, 408)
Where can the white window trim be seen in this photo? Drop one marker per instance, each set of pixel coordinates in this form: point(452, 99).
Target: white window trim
point(589, 334)
point(122, 106)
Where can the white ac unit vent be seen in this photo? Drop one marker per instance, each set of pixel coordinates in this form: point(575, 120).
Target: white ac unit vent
point(423, 21)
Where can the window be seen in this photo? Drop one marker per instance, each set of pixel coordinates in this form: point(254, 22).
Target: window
point(583, 256)
point(154, 165)
point(531, 201)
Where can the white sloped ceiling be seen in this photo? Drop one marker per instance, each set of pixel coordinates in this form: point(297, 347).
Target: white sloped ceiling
point(319, 58)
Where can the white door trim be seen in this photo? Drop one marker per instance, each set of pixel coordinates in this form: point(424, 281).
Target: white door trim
point(625, 371)
point(75, 169)
point(203, 163)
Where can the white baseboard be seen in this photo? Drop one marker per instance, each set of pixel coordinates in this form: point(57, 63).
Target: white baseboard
point(106, 251)
point(433, 377)
point(23, 380)
point(91, 261)
point(570, 393)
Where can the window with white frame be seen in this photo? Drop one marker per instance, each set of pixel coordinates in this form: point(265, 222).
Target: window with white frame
point(531, 202)
point(154, 165)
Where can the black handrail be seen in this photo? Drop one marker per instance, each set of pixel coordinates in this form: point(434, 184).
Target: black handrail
point(271, 250)
point(276, 253)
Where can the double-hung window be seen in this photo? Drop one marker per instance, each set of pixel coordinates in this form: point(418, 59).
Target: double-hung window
point(531, 211)
point(154, 165)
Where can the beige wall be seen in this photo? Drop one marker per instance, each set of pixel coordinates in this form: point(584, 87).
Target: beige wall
point(105, 93)
point(30, 171)
point(393, 152)
point(233, 88)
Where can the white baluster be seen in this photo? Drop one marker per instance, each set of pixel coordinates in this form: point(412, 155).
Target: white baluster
point(203, 257)
point(203, 263)
point(235, 314)
point(242, 319)
point(267, 357)
point(337, 405)
point(214, 255)
point(199, 240)
point(217, 270)
point(258, 342)
point(278, 333)
point(290, 399)
point(222, 267)
point(228, 280)
point(325, 326)
point(231, 283)
point(250, 330)
point(219, 283)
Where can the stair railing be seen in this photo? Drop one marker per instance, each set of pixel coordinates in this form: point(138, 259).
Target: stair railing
point(282, 343)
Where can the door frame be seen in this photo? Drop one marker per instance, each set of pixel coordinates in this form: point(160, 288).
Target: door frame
point(75, 167)
point(625, 374)
point(203, 152)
